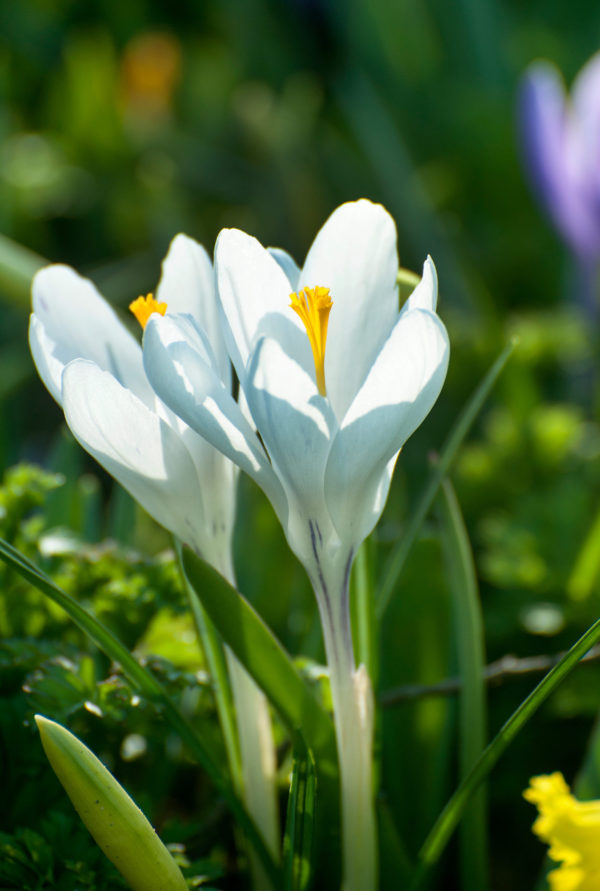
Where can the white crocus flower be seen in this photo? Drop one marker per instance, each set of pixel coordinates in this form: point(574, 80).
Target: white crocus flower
point(321, 423)
point(93, 367)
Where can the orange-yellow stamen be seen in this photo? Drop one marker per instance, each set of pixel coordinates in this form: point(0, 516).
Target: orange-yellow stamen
point(313, 305)
point(143, 307)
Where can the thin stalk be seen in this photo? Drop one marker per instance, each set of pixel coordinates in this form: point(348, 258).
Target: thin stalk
point(446, 823)
point(469, 636)
point(353, 718)
point(448, 452)
point(250, 747)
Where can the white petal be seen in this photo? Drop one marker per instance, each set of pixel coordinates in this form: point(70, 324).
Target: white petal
point(400, 390)
point(78, 323)
point(295, 423)
point(135, 446)
point(50, 369)
point(189, 386)
point(288, 264)
point(355, 256)
point(425, 294)
point(187, 285)
point(254, 293)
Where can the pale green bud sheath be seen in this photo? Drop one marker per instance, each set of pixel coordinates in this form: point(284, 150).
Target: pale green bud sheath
point(115, 821)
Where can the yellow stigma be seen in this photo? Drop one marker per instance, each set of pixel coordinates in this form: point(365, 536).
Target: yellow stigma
point(313, 305)
point(143, 307)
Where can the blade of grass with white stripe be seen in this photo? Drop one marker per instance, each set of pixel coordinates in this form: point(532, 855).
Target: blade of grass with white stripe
point(150, 688)
point(217, 666)
point(448, 820)
point(451, 445)
point(469, 637)
point(300, 823)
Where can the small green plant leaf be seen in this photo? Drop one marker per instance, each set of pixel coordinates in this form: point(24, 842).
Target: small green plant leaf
point(115, 821)
point(263, 656)
point(300, 823)
point(470, 649)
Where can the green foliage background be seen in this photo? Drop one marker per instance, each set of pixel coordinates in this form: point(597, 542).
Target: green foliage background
point(124, 123)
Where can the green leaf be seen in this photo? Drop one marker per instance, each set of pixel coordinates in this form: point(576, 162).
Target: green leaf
point(264, 658)
point(469, 636)
point(583, 580)
point(147, 684)
point(215, 660)
point(18, 265)
point(446, 823)
point(300, 822)
point(117, 824)
point(451, 445)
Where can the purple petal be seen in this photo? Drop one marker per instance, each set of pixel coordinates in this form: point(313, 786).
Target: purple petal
point(552, 157)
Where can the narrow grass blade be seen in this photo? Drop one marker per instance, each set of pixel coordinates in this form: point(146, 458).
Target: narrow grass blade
point(263, 657)
point(115, 821)
point(148, 685)
point(451, 445)
point(586, 572)
point(217, 666)
point(446, 823)
point(18, 265)
point(469, 636)
point(300, 822)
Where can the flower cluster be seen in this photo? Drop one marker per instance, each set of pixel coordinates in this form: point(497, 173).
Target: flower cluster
point(571, 828)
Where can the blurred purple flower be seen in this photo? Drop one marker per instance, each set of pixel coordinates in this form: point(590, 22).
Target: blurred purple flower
point(561, 141)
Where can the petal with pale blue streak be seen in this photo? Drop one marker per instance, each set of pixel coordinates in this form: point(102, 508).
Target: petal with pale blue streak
point(136, 447)
point(551, 148)
point(187, 285)
point(355, 255)
point(78, 323)
point(255, 296)
point(288, 264)
point(187, 383)
point(425, 295)
point(296, 424)
point(400, 390)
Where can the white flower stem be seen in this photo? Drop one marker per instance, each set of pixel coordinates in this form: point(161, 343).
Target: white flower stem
point(353, 717)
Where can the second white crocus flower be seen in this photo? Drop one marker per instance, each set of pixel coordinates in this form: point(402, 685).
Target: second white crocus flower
point(93, 367)
point(332, 385)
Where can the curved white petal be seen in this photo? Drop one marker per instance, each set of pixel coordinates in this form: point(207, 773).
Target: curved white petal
point(288, 264)
point(43, 349)
point(400, 390)
point(354, 255)
point(255, 295)
point(296, 425)
point(73, 321)
point(190, 387)
point(187, 285)
point(136, 447)
point(425, 294)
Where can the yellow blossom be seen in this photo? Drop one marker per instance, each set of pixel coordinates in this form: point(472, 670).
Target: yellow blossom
point(571, 828)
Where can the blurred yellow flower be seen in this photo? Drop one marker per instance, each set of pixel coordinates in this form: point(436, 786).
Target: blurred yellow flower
point(150, 70)
point(571, 828)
